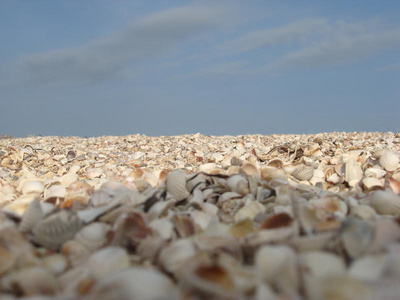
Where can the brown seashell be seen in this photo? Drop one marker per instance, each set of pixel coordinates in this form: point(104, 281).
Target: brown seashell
point(277, 221)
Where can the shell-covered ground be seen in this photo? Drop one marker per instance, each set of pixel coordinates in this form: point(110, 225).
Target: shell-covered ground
point(200, 217)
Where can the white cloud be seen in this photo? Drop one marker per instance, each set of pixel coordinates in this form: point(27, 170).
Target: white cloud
point(296, 31)
point(108, 57)
point(339, 50)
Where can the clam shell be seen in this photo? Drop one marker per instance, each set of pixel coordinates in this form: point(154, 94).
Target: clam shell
point(108, 260)
point(389, 160)
point(385, 202)
point(303, 173)
point(93, 236)
point(54, 230)
point(176, 185)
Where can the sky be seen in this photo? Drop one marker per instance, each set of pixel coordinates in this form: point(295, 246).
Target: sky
point(102, 67)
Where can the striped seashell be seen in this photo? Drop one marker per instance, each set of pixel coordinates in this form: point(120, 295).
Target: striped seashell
point(176, 185)
point(53, 231)
point(303, 172)
point(31, 216)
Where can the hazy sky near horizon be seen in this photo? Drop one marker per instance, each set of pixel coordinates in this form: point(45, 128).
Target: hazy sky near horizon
point(100, 67)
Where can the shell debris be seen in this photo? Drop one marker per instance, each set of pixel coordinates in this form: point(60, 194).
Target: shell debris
point(201, 217)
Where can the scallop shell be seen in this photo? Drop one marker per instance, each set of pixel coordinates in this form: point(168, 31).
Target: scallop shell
point(303, 173)
point(385, 202)
point(31, 216)
point(53, 231)
point(176, 185)
point(93, 236)
point(389, 160)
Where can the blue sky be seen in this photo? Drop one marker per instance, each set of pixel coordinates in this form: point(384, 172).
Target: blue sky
point(100, 67)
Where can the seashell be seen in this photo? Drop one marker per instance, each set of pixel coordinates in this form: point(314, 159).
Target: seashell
point(249, 211)
point(207, 168)
point(238, 184)
point(149, 247)
point(55, 192)
point(69, 178)
point(353, 172)
point(277, 266)
point(72, 279)
point(134, 283)
point(318, 266)
point(203, 276)
point(94, 173)
point(93, 236)
point(378, 153)
point(270, 173)
point(364, 212)
point(173, 256)
point(314, 242)
point(31, 281)
point(219, 244)
point(19, 205)
point(107, 261)
point(55, 263)
point(78, 191)
point(303, 173)
point(368, 268)
point(371, 183)
point(389, 160)
point(163, 227)
point(228, 196)
point(54, 230)
point(384, 202)
point(33, 187)
point(31, 216)
point(357, 236)
point(394, 185)
point(374, 172)
point(386, 232)
point(250, 170)
point(276, 163)
point(176, 185)
point(197, 180)
point(240, 229)
point(350, 288)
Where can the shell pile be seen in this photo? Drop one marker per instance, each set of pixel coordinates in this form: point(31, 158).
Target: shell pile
point(201, 217)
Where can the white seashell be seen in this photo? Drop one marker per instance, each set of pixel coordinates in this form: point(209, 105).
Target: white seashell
point(54, 192)
point(374, 172)
point(134, 283)
point(357, 236)
point(93, 173)
point(368, 268)
point(353, 172)
point(72, 279)
point(249, 211)
point(68, 178)
point(313, 242)
point(31, 216)
point(389, 160)
point(251, 170)
point(31, 281)
point(77, 253)
point(303, 173)
point(207, 168)
point(163, 227)
point(277, 266)
point(56, 263)
point(176, 185)
point(384, 202)
point(108, 260)
point(19, 205)
point(173, 256)
point(363, 212)
point(33, 187)
point(54, 230)
point(371, 183)
point(93, 236)
point(238, 184)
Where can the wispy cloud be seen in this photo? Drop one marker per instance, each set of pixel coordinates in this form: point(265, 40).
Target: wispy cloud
point(391, 67)
point(107, 57)
point(296, 31)
point(340, 49)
